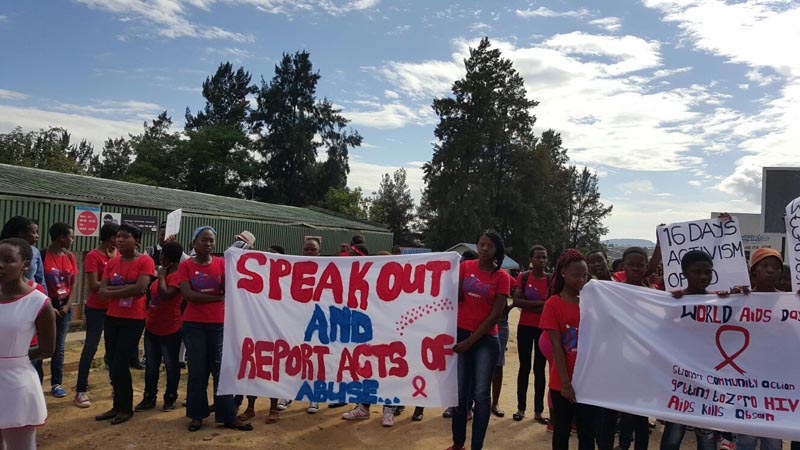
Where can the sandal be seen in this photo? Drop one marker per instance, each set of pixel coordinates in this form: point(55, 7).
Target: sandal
point(542, 420)
point(497, 411)
point(195, 425)
point(246, 415)
point(273, 417)
point(518, 416)
point(238, 425)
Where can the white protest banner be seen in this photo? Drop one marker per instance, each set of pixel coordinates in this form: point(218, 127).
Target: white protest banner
point(720, 238)
point(173, 226)
point(793, 241)
point(344, 329)
point(725, 364)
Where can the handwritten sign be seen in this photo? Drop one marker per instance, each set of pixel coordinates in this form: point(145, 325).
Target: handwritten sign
point(173, 223)
point(724, 364)
point(793, 241)
point(375, 330)
point(720, 238)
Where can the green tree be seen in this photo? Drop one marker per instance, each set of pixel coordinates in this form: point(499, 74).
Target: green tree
point(217, 148)
point(586, 212)
point(116, 160)
point(159, 155)
point(485, 132)
point(393, 206)
point(46, 149)
point(294, 125)
point(350, 202)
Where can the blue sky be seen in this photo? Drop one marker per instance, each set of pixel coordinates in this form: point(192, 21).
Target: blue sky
point(676, 104)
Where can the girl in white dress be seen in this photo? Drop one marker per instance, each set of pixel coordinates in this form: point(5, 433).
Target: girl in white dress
point(23, 312)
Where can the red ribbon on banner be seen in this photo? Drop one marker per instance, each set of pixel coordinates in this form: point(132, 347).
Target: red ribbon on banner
point(729, 358)
point(419, 385)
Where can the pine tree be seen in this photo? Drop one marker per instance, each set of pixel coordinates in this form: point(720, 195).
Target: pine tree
point(393, 206)
point(587, 212)
point(290, 119)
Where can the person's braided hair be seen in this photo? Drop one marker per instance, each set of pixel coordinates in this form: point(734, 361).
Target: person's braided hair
point(500, 253)
point(569, 256)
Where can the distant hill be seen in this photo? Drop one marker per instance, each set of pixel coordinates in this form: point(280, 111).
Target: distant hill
point(629, 243)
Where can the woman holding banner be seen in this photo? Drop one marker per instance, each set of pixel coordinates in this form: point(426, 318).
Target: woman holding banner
point(484, 288)
point(202, 284)
point(766, 267)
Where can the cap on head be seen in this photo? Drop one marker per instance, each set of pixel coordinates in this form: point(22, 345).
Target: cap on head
point(762, 253)
point(199, 230)
point(247, 237)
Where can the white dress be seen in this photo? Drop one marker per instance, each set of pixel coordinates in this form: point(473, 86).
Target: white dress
point(21, 393)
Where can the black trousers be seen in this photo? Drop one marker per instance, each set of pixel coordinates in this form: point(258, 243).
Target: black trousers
point(528, 344)
point(564, 413)
point(121, 337)
point(633, 428)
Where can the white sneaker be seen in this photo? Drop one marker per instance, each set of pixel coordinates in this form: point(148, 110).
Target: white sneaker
point(357, 413)
point(82, 400)
point(313, 408)
point(388, 416)
point(283, 404)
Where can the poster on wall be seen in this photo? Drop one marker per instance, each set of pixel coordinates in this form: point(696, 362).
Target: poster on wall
point(87, 221)
point(111, 217)
point(144, 223)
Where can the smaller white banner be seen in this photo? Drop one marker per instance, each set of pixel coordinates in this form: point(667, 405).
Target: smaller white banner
point(793, 241)
point(87, 221)
point(173, 223)
point(725, 364)
point(720, 238)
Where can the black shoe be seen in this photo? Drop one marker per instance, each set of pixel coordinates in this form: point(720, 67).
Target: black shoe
point(238, 425)
point(145, 404)
point(169, 402)
point(336, 405)
point(182, 365)
point(108, 415)
point(121, 417)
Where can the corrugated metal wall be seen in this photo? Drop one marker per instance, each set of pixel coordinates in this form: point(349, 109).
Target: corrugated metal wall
point(47, 212)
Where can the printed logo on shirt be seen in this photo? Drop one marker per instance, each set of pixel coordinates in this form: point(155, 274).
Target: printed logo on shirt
point(531, 293)
point(569, 339)
point(117, 280)
point(203, 282)
point(476, 288)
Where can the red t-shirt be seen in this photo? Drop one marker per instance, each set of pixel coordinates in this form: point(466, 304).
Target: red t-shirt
point(565, 318)
point(40, 288)
point(95, 262)
point(59, 270)
point(534, 289)
point(120, 273)
point(164, 316)
point(207, 279)
point(479, 287)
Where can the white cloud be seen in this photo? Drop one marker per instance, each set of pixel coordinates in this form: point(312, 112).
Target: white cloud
point(3, 18)
point(234, 54)
point(116, 109)
point(367, 176)
point(11, 95)
point(171, 18)
point(695, 183)
point(392, 115)
point(398, 30)
point(480, 26)
point(755, 33)
point(391, 94)
point(610, 24)
point(547, 12)
point(423, 80)
point(81, 126)
point(636, 187)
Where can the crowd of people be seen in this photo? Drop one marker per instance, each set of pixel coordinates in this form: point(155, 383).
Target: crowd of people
point(175, 301)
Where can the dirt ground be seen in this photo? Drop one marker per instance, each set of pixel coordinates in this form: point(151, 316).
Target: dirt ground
point(69, 427)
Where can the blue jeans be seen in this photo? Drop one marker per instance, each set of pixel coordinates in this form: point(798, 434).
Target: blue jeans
point(673, 435)
point(95, 321)
point(475, 370)
point(204, 346)
point(57, 361)
point(158, 348)
point(746, 442)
